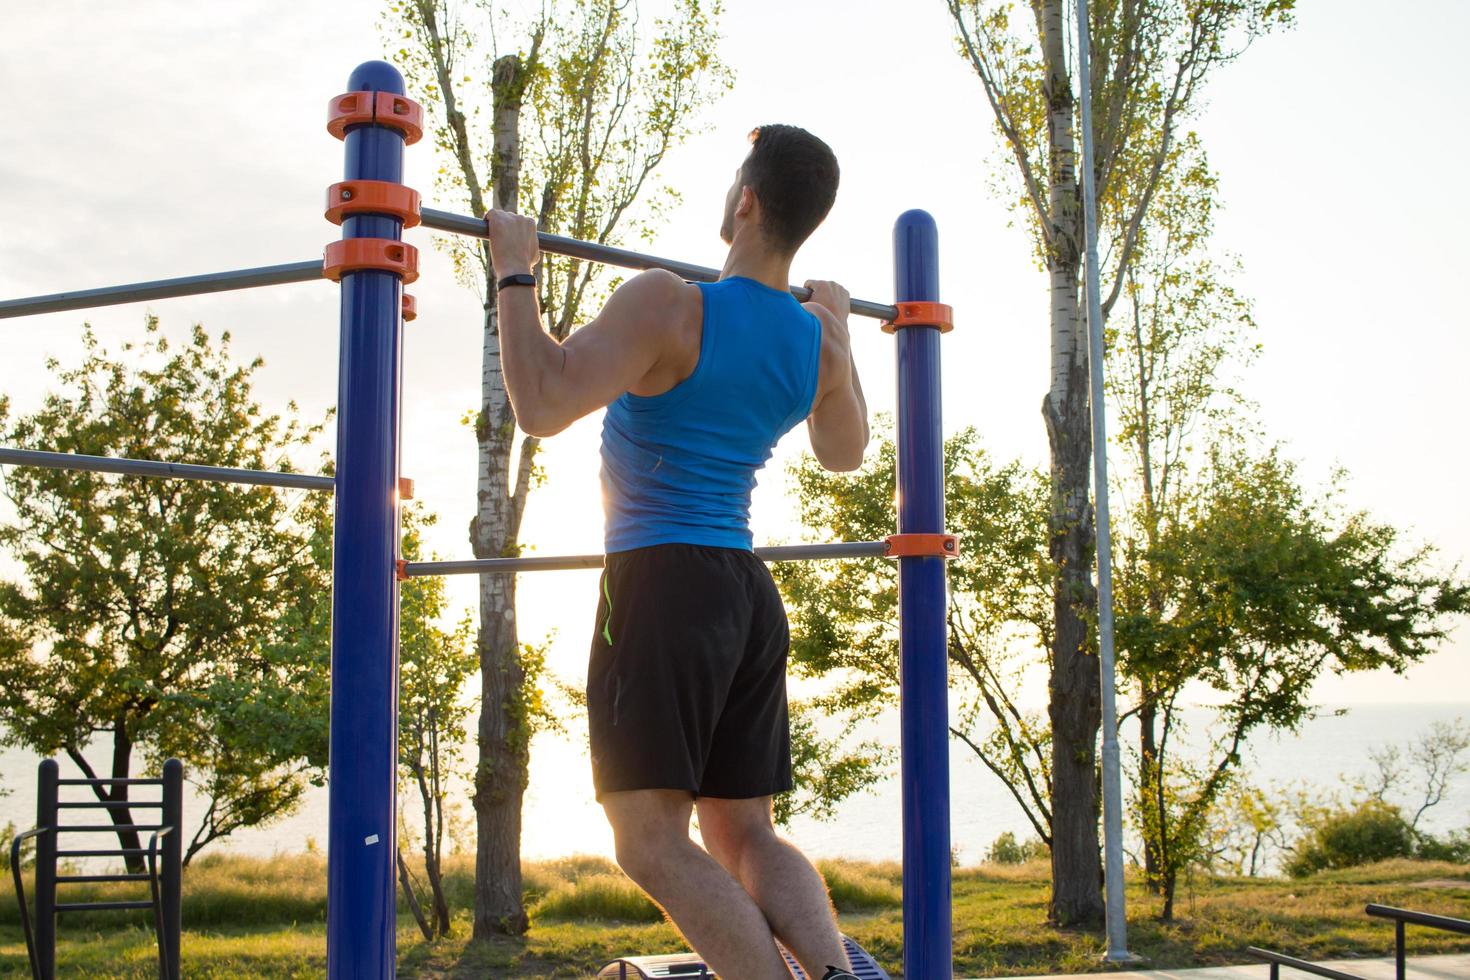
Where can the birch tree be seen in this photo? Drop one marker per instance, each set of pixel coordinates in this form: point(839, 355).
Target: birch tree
point(1151, 59)
point(608, 99)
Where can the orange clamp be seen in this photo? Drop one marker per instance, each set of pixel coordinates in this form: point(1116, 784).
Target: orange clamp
point(410, 307)
point(353, 254)
point(919, 314)
point(405, 488)
point(383, 108)
point(922, 545)
point(400, 570)
point(372, 197)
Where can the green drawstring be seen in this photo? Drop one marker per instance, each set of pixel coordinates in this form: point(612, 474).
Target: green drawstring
point(607, 626)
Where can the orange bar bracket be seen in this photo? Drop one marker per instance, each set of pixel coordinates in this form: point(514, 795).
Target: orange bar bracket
point(372, 197)
point(922, 545)
point(354, 254)
point(405, 488)
point(410, 307)
point(939, 315)
point(384, 108)
point(400, 570)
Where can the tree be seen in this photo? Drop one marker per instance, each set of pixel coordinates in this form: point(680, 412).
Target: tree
point(167, 617)
point(1264, 589)
point(1150, 61)
point(1436, 757)
point(609, 102)
point(434, 668)
point(844, 616)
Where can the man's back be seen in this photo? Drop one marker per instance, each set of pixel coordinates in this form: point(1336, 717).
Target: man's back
point(679, 467)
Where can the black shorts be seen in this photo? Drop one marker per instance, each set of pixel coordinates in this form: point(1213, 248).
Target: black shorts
point(686, 688)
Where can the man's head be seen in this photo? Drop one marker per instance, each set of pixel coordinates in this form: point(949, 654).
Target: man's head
point(787, 184)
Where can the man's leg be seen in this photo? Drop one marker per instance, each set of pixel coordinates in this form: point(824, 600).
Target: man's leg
point(717, 917)
point(789, 891)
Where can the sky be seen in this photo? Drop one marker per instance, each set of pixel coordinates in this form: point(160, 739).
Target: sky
point(161, 137)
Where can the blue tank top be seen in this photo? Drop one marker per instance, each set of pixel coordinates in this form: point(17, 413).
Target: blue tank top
point(678, 468)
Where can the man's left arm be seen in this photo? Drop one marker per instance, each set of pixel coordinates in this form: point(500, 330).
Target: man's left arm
point(551, 384)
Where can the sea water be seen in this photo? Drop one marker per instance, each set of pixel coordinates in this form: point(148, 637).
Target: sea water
point(1329, 754)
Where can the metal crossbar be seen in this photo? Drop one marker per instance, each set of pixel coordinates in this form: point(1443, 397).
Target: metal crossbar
point(463, 224)
point(277, 275)
point(141, 292)
point(493, 566)
point(1278, 960)
point(148, 467)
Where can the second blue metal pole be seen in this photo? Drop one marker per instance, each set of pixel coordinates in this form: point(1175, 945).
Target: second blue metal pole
point(922, 603)
point(362, 816)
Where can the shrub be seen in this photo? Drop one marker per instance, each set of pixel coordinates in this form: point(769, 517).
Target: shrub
point(1371, 831)
point(1008, 850)
point(1453, 847)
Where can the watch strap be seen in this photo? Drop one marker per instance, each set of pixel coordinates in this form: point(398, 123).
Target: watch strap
point(519, 279)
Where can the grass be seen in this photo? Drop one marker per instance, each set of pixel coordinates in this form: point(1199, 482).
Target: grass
point(266, 918)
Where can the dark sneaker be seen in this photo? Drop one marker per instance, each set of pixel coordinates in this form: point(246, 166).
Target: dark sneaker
point(833, 973)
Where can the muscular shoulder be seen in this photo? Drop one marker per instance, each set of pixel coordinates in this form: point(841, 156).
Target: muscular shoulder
point(662, 295)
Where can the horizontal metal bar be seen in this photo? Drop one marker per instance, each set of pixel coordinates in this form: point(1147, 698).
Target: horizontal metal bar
point(108, 828)
point(536, 563)
point(461, 224)
point(100, 906)
point(147, 467)
point(105, 780)
point(141, 292)
point(1446, 922)
point(103, 852)
point(106, 804)
point(1306, 966)
point(93, 878)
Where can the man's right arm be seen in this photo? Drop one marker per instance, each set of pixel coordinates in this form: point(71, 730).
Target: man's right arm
point(838, 423)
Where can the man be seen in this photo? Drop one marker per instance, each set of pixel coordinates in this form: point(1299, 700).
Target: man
point(686, 686)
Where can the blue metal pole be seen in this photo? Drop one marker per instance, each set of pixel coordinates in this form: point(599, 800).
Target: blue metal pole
point(362, 828)
point(922, 602)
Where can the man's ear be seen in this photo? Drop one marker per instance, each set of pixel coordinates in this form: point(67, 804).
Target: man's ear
point(747, 202)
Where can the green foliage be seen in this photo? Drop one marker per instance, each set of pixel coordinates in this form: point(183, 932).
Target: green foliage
point(607, 897)
point(859, 886)
point(434, 668)
point(168, 617)
point(1345, 838)
point(844, 616)
point(826, 771)
point(1006, 849)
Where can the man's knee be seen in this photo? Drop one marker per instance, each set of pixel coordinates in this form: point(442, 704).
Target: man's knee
point(650, 827)
point(731, 828)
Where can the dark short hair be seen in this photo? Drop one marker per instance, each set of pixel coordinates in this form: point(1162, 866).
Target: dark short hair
point(794, 176)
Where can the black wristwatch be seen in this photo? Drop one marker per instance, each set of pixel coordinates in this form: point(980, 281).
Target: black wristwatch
point(519, 279)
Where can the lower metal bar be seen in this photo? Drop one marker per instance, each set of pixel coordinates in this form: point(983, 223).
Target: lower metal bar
point(103, 781)
point(147, 467)
point(463, 224)
point(109, 828)
point(117, 877)
point(1306, 966)
point(553, 563)
point(140, 292)
point(100, 906)
point(107, 804)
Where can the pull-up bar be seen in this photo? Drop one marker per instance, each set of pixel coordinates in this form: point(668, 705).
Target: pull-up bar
point(150, 467)
point(277, 275)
